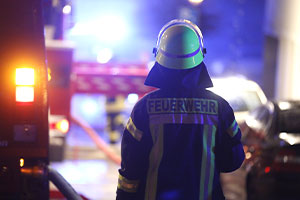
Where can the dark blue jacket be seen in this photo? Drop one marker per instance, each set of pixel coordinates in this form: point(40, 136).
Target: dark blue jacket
point(178, 139)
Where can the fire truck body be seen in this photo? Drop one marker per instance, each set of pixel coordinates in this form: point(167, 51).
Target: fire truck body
point(23, 97)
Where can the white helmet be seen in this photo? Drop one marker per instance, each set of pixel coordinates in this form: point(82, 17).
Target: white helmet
point(179, 45)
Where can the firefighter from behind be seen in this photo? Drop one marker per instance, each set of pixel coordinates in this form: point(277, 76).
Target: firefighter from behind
point(181, 136)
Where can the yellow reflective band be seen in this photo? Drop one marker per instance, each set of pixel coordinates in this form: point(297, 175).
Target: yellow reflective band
point(127, 185)
point(233, 129)
point(182, 105)
point(154, 161)
point(136, 133)
point(207, 162)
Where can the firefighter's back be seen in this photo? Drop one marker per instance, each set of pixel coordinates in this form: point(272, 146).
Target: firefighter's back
point(183, 126)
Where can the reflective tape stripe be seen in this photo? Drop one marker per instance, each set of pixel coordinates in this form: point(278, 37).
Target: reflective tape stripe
point(208, 163)
point(184, 119)
point(233, 129)
point(203, 164)
point(136, 133)
point(127, 185)
point(212, 162)
point(179, 56)
point(154, 161)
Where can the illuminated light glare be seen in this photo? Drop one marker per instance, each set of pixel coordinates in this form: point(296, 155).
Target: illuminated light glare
point(26, 170)
point(34, 170)
point(238, 83)
point(225, 93)
point(283, 135)
point(248, 155)
point(67, 9)
point(104, 55)
point(89, 107)
point(111, 27)
point(223, 86)
point(24, 94)
point(292, 141)
point(22, 162)
point(24, 76)
point(195, 1)
point(132, 98)
point(107, 29)
point(267, 169)
point(63, 126)
point(49, 74)
point(285, 159)
point(284, 105)
point(290, 138)
point(245, 148)
point(253, 123)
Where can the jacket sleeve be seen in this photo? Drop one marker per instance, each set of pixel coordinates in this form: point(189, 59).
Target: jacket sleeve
point(231, 149)
point(134, 152)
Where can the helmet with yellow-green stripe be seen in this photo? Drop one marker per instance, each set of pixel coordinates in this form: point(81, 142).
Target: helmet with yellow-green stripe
point(179, 45)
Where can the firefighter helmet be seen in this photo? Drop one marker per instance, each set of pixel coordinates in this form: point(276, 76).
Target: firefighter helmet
point(179, 45)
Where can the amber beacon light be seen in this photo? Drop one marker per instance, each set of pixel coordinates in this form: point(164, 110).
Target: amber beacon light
point(25, 85)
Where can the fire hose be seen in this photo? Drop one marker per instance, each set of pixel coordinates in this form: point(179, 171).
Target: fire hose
point(64, 187)
point(100, 143)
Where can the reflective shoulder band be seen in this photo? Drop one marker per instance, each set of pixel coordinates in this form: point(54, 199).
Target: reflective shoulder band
point(233, 129)
point(127, 185)
point(136, 133)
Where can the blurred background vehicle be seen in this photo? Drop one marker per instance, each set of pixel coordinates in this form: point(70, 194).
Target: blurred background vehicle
point(59, 54)
point(272, 145)
point(242, 94)
point(58, 128)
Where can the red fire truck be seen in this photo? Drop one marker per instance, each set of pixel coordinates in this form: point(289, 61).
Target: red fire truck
point(59, 59)
point(23, 107)
point(24, 139)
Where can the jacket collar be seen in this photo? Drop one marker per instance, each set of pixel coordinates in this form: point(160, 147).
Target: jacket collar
point(165, 78)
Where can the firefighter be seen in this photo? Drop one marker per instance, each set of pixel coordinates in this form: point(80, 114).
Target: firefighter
point(114, 107)
point(181, 136)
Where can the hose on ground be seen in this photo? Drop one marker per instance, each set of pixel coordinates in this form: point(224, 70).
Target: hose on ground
point(62, 185)
point(100, 143)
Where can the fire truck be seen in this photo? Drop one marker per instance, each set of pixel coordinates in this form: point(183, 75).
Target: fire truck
point(36, 74)
point(116, 81)
point(24, 105)
point(24, 138)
